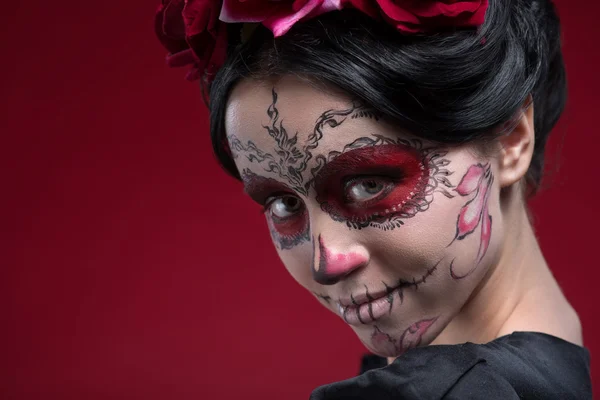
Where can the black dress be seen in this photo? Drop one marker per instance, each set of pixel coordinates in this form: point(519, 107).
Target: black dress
point(523, 365)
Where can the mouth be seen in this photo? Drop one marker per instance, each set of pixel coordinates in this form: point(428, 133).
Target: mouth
point(368, 307)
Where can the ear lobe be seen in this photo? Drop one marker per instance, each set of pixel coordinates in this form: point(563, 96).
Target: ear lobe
point(517, 149)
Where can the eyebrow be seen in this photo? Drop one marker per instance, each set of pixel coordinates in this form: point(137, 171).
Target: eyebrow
point(259, 187)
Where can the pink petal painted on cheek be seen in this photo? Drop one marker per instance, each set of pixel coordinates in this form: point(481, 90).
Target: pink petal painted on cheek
point(382, 342)
point(486, 225)
point(470, 215)
point(486, 234)
point(412, 337)
point(471, 180)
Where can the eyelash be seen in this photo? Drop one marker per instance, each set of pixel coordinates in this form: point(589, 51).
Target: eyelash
point(271, 199)
point(388, 183)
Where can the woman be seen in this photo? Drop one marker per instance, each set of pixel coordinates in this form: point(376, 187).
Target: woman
point(393, 145)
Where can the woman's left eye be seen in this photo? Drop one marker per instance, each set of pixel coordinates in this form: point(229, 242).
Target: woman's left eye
point(365, 189)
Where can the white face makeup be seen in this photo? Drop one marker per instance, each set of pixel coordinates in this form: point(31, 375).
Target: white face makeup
point(391, 233)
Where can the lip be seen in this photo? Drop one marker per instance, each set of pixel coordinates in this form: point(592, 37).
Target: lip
point(367, 309)
point(363, 298)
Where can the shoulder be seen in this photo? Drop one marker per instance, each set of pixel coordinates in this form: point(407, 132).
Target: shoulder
point(517, 366)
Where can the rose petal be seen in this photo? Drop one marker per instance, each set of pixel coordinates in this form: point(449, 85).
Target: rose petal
point(251, 10)
point(169, 28)
point(181, 59)
point(471, 180)
point(366, 6)
point(282, 21)
point(414, 16)
point(173, 25)
point(431, 9)
point(200, 16)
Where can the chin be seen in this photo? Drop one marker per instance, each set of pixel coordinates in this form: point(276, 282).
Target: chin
point(394, 343)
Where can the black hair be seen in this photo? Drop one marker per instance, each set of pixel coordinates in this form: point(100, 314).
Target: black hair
point(450, 87)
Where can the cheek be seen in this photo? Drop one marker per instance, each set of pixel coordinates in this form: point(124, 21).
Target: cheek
point(297, 262)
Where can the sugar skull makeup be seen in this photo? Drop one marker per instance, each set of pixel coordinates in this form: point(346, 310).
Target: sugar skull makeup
point(389, 232)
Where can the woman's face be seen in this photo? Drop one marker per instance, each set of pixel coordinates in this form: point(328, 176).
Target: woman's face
point(389, 232)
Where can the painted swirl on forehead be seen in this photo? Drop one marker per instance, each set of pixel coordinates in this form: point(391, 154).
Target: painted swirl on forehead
point(408, 172)
point(290, 159)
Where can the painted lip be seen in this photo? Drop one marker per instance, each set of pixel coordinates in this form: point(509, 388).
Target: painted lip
point(367, 309)
point(363, 298)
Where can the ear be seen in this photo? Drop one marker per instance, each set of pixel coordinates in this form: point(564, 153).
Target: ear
point(517, 148)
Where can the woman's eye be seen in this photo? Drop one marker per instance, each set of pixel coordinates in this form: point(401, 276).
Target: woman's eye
point(361, 190)
point(286, 206)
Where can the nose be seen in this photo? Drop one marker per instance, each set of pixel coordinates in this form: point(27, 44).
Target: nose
point(331, 264)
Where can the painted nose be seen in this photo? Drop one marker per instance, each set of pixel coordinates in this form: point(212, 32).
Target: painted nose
point(330, 266)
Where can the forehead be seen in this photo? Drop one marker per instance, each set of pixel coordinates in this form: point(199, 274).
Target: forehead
point(286, 129)
point(289, 103)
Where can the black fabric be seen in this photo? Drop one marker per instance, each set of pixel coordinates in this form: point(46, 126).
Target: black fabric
point(523, 365)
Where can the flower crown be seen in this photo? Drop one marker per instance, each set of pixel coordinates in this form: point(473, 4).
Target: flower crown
point(195, 31)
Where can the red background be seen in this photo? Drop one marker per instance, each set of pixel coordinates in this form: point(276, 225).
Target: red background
point(132, 266)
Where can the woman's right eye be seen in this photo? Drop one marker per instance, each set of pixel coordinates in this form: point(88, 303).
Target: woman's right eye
point(285, 206)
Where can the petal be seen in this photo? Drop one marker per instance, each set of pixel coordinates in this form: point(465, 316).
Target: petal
point(172, 22)
point(382, 342)
point(486, 225)
point(471, 180)
point(200, 16)
point(486, 234)
point(412, 337)
point(470, 214)
point(169, 27)
point(366, 6)
point(250, 10)
point(281, 22)
point(399, 13)
point(446, 9)
point(181, 58)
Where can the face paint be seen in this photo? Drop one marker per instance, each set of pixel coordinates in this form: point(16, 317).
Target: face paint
point(393, 232)
point(371, 184)
point(290, 160)
point(383, 343)
point(331, 267)
point(368, 306)
point(286, 215)
point(478, 181)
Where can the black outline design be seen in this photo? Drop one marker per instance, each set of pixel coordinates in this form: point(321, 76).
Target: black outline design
point(437, 182)
point(398, 288)
point(289, 161)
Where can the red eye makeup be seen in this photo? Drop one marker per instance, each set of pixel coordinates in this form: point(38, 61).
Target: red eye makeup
point(371, 184)
point(286, 214)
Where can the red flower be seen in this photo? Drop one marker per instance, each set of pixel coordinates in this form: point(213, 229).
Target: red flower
point(414, 16)
point(277, 15)
point(192, 33)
